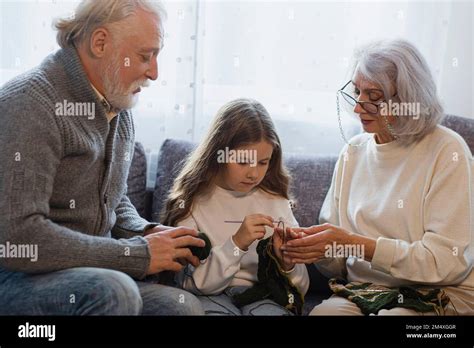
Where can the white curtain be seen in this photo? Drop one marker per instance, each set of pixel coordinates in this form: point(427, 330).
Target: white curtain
point(291, 56)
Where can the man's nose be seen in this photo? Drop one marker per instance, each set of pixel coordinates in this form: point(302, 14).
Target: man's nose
point(152, 73)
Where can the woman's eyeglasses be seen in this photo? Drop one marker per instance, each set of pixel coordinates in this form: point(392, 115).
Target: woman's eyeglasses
point(370, 107)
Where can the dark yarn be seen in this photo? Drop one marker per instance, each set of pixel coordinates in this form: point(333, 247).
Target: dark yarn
point(272, 283)
point(202, 253)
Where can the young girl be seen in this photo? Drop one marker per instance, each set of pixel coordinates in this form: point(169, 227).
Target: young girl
point(234, 188)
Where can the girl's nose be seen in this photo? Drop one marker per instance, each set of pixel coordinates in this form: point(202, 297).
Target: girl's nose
point(253, 172)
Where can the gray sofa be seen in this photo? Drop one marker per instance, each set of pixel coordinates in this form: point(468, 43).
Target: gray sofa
point(311, 179)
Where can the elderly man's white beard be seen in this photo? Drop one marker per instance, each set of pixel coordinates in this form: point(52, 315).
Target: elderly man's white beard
point(120, 97)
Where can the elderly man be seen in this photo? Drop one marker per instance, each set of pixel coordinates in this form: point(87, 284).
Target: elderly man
point(66, 140)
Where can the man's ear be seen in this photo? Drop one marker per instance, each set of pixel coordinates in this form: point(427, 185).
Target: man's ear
point(99, 41)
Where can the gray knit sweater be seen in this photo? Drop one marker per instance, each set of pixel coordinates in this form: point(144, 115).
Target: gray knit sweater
point(63, 176)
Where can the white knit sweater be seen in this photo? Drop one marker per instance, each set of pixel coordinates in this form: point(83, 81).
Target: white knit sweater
point(227, 265)
point(416, 201)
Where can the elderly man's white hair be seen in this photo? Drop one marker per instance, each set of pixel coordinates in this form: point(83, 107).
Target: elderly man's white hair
point(397, 66)
point(92, 14)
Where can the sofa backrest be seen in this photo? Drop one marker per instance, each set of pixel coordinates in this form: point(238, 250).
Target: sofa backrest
point(311, 178)
point(171, 158)
point(463, 126)
point(136, 181)
point(311, 174)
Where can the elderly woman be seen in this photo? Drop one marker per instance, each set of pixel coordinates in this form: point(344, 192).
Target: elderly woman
point(401, 193)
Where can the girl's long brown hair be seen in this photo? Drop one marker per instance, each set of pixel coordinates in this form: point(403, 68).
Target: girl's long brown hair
point(238, 123)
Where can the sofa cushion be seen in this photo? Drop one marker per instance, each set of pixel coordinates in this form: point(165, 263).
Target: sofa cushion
point(172, 156)
point(463, 126)
point(136, 181)
point(311, 178)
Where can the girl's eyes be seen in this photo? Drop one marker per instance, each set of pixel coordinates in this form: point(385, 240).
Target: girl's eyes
point(247, 163)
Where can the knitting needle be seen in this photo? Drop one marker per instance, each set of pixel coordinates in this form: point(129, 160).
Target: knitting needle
point(239, 222)
point(275, 222)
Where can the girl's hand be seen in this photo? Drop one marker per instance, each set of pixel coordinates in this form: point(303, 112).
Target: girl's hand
point(278, 240)
point(252, 228)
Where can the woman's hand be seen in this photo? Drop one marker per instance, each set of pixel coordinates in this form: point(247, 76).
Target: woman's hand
point(278, 239)
point(252, 228)
point(312, 245)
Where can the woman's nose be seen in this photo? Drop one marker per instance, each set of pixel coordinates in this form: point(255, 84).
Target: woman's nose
point(358, 109)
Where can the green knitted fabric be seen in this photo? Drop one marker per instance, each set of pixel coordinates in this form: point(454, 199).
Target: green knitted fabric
point(371, 298)
point(272, 283)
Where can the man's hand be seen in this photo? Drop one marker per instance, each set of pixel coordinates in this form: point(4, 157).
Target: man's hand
point(169, 248)
point(155, 229)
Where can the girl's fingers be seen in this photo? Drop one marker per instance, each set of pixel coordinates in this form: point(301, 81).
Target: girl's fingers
point(267, 222)
point(277, 241)
point(259, 229)
point(264, 220)
point(260, 216)
point(278, 232)
point(268, 217)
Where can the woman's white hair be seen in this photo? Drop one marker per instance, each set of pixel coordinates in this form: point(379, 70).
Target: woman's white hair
point(399, 68)
point(92, 14)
